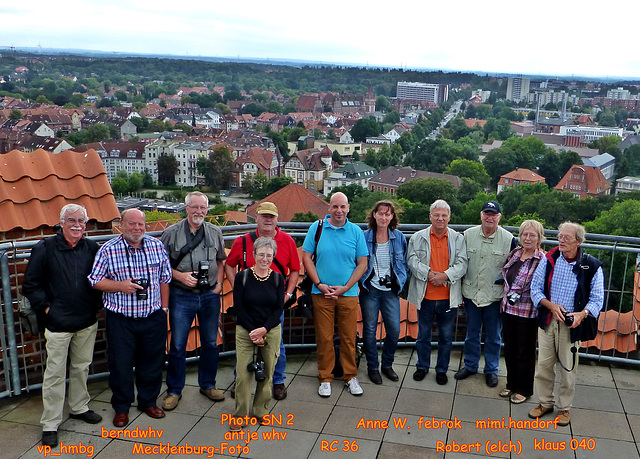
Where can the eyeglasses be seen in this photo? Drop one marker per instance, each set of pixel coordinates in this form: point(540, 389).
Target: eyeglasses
point(199, 207)
point(564, 237)
point(264, 255)
point(73, 221)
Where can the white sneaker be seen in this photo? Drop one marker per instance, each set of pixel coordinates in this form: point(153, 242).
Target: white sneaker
point(324, 390)
point(354, 387)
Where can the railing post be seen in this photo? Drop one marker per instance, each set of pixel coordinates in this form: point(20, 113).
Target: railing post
point(12, 371)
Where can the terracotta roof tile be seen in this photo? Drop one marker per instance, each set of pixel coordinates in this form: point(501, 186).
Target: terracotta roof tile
point(35, 186)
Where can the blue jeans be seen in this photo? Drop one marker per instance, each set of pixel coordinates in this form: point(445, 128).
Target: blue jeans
point(477, 317)
point(372, 302)
point(184, 306)
point(445, 315)
point(281, 364)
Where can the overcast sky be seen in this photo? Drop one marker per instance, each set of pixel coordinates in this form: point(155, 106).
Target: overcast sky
point(556, 37)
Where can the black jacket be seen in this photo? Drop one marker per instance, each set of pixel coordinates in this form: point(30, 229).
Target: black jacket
point(56, 278)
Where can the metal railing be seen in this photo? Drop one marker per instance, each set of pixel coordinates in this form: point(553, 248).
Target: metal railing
point(22, 355)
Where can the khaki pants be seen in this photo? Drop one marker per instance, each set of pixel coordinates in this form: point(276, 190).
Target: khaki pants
point(79, 347)
point(325, 312)
point(244, 355)
point(553, 338)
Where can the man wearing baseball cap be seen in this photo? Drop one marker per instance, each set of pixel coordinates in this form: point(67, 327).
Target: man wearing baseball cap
point(285, 262)
point(482, 287)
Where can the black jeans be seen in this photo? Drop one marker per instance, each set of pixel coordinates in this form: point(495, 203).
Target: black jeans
point(138, 343)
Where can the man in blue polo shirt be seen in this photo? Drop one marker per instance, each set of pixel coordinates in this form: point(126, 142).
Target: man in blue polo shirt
point(341, 259)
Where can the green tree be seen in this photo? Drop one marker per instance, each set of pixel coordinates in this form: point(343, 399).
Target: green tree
point(623, 219)
point(256, 186)
point(278, 182)
point(606, 118)
point(302, 217)
point(382, 104)
point(219, 167)
point(427, 190)
point(15, 114)
point(473, 170)
point(167, 169)
point(280, 141)
point(336, 157)
point(253, 109)
point(363, 128)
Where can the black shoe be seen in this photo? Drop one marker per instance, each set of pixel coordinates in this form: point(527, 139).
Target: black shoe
point(441, 378)
point(492, 380)
point(389, 373)
point(419, 374)
point(50, 438)
point(90, 417)
point(374, 376)
point(464, 373)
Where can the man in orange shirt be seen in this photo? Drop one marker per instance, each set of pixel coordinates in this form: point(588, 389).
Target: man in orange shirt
point(437, 259)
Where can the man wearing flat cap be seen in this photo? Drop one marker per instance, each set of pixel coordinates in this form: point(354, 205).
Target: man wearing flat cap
point(286, 262)
point(482, 287)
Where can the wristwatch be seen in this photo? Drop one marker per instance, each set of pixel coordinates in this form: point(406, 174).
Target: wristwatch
point(289, 294)
point(587, 312)
point(318, 284)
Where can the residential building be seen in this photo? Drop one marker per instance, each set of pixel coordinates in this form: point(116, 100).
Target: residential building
point(45, 143)
point(162, 146)
point(255, 161)
point(627, 184)
point(619, 93)
point(482, 94)
point(309, 168)
point(518, 88)
point(580, 136)
point(605, 162)
point(357, 172)
point(584, 181)
point(187, 154)
point(389, 179)
point(427, 92)
point(520, 176)
point(118, 156)
point(344, 149)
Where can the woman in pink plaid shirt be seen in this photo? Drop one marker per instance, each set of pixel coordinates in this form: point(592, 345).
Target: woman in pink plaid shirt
point(519, 324)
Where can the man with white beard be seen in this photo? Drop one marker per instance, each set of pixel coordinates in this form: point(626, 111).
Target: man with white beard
point(196, 251)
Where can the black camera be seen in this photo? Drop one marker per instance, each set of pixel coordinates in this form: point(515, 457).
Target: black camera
point(203, 274)
point(513, 297)
point(385, 281)
point(257, 367)
point(143, 294)
point(568, 320)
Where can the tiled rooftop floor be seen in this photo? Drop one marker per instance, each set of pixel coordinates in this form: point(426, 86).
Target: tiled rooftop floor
point(606, 415)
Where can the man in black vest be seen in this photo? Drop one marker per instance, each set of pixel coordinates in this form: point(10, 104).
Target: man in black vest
point(196, 251)
point(568, 290)
point(56, 284)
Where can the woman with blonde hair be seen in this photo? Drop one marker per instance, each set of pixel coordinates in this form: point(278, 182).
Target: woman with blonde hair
point(519, 323)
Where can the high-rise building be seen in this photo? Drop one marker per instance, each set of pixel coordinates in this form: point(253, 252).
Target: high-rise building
point(436, 93)
point(518, 88)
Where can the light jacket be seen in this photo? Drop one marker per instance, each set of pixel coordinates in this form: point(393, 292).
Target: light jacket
point(419, 260)
point(398, 247)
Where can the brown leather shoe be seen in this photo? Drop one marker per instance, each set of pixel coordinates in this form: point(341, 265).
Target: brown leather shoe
point(279, 391)
point(564, 417)
point(213, 394)
point(153, 412)
point(171, 402)
point(540, 411)
point(121, 419)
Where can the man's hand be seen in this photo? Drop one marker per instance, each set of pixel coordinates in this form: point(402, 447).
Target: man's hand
point(438, 279)
point(257, 335)
point(218, 288)
point(186, 278)
point(129, 287)
point(335, 291)
point(556, 310)
point(578, 317)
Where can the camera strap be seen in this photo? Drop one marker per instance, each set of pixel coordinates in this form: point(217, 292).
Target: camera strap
point(574, 351)
point(192, 243)
point(146, 258)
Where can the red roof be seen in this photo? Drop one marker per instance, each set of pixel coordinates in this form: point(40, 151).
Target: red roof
point(521, 175)
point(35, 186)
point(585, 181)
point(291, 199)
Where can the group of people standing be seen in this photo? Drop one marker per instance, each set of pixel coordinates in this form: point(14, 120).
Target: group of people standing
point(507, 290)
